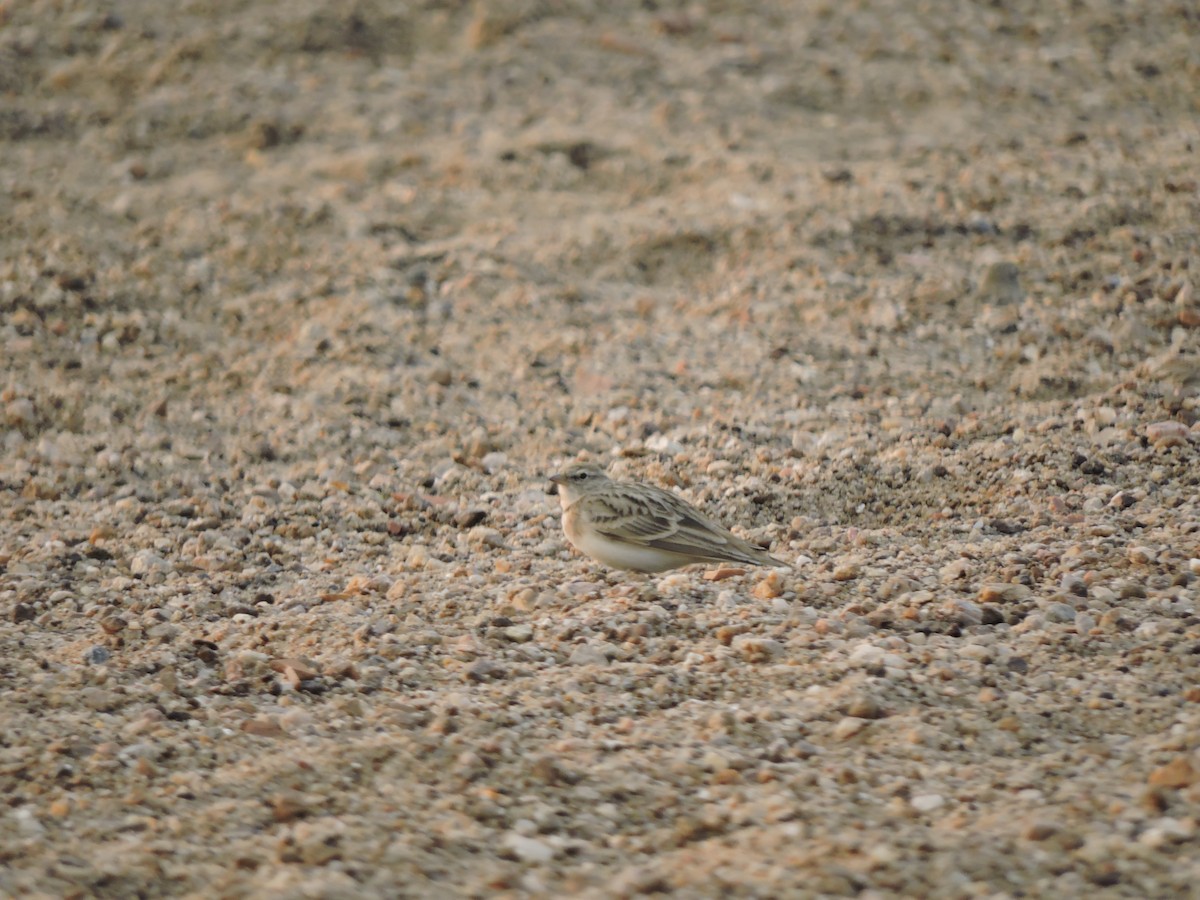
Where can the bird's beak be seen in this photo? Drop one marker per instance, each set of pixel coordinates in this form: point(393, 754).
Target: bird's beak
point(558, 479)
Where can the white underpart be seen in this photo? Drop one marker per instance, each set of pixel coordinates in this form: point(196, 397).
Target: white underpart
point(620, 555)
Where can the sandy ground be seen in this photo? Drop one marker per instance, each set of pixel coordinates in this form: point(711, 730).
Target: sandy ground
point(301, 303)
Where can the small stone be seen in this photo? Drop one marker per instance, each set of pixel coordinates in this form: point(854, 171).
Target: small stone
point(864, 706)
point(1000, 284)
point(470, 518)
point(113, 624)
point(146, 561)
point(302, 669)
point(19, 411)
point(23, 612)
point(1178, 773)
point(962, 612)
point(1167, 830)
point(848, 728)
point(482, 536)
point(867, 655)
point(519, 634)
point(98, 699)
point(1116, 619)
point(528, 849)
point(1122, 500)
point(288, 806)
point(957, 570)
point(587, 655)
point(1039, 831)
point(494, 461)
point(97, 656)
point(1060, 613)
point(263, 726)
point(722, 573)
point(27, 822)
point(148, 721)
point(1001, 592)
point(846, 572)
point(1167, 434)
point(770, 587)
point(757, 649)
point(991, 616)
point(485, 670)
point(582, 588)
point(726, 633)
point(1134, 590)
point(927, 803)
point(660, 443)
point(1074, 584)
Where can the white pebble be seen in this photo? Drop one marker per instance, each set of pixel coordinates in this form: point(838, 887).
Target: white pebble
point(528, 849)
point(867, 655)
point(660, 443)
point(848, 727)
point(147, 561)
point(588, 656)
point(926, 803)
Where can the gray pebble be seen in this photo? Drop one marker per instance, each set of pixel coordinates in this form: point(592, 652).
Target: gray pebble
point(97, 656)
point(1060, 613)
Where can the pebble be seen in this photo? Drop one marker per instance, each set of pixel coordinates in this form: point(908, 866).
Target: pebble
point(27, 822)
point(1178, 773)
point(1039, 830)
point(720, 574)
point(846, 571)
point(927, 803)
point(757, 649)
point(1000, 284)
point(1141, 555)
point(864, 706)
point(528, 849)
point(848, 727)
point(867, 655)
point(97, 656)
point(1167, 434)
point(587, 655)
point(1059, 613)
point(485, 670)
point(1167, 830)
point(146, 561)
point(770, 587)
point(519, 634)
point(962, 612)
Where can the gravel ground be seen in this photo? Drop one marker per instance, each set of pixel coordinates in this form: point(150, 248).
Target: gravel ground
point(301, 303)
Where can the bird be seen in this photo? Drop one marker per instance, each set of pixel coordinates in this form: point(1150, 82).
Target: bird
point(628, 525)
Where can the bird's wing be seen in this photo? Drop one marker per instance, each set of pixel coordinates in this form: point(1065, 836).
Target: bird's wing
point(648, 517)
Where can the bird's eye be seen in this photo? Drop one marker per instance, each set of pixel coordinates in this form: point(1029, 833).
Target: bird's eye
point(579, 476)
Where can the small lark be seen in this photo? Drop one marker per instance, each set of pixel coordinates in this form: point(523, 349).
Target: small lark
point(641, 527)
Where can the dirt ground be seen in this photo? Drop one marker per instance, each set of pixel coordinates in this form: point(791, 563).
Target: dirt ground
point(302, 302)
